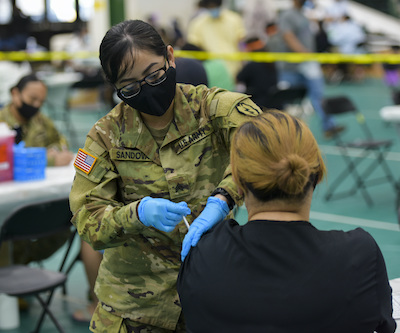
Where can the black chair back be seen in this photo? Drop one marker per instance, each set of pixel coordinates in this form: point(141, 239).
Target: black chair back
point(338, 105)
point(281, 97)
point(37, 220)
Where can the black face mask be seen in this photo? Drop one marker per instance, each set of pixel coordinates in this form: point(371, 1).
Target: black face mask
point(27, 111)
point(155, 100)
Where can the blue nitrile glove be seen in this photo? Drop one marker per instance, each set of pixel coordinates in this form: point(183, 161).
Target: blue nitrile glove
point(161, 213)
point(214, 211)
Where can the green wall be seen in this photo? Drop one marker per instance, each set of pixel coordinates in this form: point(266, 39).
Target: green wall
point(117, 11)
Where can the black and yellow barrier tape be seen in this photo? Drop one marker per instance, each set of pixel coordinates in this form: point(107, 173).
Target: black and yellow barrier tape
point(324, 58)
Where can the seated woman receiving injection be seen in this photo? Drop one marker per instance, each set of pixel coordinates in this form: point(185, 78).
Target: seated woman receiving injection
point(278, 273)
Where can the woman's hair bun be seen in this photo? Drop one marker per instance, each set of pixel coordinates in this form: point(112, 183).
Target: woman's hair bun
point(292, 174)
point(276, 157)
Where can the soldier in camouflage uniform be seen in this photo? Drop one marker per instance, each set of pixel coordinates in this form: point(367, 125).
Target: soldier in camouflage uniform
point(156, 157)
point(37, 131)
point(34, 128)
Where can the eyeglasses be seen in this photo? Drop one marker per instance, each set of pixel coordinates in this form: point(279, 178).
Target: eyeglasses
point(133, 89)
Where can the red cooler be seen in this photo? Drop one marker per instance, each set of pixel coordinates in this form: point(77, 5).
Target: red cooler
point(7, 138)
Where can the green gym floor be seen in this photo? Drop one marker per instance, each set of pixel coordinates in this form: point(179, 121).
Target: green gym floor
point(379, 218)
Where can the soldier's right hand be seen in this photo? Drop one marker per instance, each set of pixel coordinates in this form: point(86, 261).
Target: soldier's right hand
point(161, 213)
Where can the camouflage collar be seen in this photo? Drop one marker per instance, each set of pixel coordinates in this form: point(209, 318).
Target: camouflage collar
point(9, 117)
point(184, 121)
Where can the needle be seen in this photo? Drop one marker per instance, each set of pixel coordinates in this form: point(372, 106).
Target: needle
point(186, 222)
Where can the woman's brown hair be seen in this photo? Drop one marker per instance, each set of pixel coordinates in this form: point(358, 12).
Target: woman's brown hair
point(275, 156)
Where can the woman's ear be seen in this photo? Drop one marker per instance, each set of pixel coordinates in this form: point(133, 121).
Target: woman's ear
point(170, 56)
point(15, 96)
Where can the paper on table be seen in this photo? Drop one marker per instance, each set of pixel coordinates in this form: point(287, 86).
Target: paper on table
point(396, 305)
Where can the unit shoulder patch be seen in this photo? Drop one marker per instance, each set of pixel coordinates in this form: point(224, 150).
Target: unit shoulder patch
point(247, 109)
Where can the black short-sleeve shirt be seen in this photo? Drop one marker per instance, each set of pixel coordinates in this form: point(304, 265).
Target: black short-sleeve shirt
point(280, 277)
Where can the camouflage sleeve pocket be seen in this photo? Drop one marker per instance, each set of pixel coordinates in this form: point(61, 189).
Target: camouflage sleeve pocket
point(89, 164)
point(96, 174)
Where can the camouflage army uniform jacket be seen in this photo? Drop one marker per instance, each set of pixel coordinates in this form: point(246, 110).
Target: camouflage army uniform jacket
point(39, 131)
point(137, 277)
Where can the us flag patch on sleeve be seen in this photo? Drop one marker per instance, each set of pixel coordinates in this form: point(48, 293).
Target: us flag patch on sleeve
point(84, 161)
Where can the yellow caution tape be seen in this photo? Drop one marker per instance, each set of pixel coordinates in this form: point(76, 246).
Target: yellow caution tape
point(19, 56)
point(325, 58)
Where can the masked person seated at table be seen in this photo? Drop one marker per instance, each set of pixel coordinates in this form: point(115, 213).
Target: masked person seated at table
point(279, 273)
point(35, 129)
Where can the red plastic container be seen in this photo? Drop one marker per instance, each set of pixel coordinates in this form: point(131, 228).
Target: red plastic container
point(7, 138)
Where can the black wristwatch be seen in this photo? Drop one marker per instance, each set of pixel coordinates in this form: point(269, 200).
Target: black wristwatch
point(220, 190)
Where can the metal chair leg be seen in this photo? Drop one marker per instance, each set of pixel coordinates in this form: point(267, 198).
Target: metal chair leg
point(45, 306)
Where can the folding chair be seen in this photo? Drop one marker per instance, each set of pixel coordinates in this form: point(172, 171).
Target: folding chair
point(34, 222)
point(368, 147)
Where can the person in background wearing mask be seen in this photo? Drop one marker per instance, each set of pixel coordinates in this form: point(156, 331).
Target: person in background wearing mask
point(277, 272)
point(35, 129)
point(158, 156)
point(218, 30)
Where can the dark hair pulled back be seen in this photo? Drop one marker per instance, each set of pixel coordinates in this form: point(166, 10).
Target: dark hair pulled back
point(122, 40)
point(25, 80)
